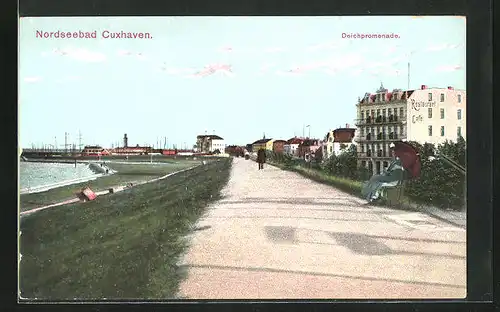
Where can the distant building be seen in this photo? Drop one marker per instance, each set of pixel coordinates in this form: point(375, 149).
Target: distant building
point(279, 146)
point(248, 147)
point(308, 147)
point(264, 143)
point(425, 115)
point(136, 150)
point(328, 145)
point(343, 138)
point(210, 143)
point(94, 150)
point(291, 146)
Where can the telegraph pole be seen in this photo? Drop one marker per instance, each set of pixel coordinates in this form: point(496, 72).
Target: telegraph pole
point(79, 140)
point(65, 142)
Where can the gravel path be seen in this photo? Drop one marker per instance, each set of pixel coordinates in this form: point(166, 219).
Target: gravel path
point(278, 235)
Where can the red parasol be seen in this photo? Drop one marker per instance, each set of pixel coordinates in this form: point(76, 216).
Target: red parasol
point(410, 158)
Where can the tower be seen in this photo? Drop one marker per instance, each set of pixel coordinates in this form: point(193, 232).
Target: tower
point(125, 140)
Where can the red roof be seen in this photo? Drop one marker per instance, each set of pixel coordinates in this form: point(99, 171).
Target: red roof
point(294, 141)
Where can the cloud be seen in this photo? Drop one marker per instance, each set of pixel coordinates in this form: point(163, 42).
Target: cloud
point(391, 50)
point(274, 50)
point(441, 47)
point(79, 54)
point(357, 72)
point(330, 66)
point(175, 70)
point(226, 49)
point(291, 73)
point(32, 79)
point(326, 45)
point(209, 70)
point(137, 55)
point(448, 68)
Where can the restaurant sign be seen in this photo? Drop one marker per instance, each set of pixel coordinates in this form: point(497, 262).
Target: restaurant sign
point(416, 105)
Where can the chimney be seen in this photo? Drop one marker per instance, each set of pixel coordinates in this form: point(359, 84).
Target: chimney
point(450, 88)
point(423, 87)
point(347, 125)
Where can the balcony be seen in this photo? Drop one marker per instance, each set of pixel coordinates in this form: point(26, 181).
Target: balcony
point(371, 155)
point(381, 137)
point(380, 120)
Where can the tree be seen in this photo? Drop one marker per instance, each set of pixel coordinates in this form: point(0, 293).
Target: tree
point(217, 151)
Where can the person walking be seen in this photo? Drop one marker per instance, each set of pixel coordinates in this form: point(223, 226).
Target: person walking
point(261, 158)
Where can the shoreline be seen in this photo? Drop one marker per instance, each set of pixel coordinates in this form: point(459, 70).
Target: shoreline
point(99, 172)
point(115, 188)
point(46, 187)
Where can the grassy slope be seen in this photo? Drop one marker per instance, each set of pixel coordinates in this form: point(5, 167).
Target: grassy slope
point(346, 185)
point(120, 246)
point(349, 186)
point(126, 173)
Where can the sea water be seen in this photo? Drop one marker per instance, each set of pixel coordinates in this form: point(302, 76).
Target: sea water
point(37, 174)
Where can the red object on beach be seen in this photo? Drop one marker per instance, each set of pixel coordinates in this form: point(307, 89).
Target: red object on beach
point(89, 194)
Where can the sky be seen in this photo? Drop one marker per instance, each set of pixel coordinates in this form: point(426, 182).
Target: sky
point(237, 77)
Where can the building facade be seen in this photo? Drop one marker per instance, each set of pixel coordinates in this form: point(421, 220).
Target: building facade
point(279, 146)
point(291, 147)
point(338, 140)
point(264, 143)
point(328, 145)
point(425, 115)
point(209, 143)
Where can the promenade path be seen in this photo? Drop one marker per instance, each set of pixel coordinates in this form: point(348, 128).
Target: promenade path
point(278, 235)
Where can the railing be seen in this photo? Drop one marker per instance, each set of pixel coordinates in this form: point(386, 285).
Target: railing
point(380, 138)
point(379, 120)
point(373, 155)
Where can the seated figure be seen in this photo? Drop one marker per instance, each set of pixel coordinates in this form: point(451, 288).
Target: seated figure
point(390, 178)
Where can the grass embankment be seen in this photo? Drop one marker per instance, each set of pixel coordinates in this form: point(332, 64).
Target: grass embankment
point(126, 173)
point(346, 185)
point(120, 246)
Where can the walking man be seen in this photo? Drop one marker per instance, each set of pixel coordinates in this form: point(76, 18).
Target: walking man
point(261, 158)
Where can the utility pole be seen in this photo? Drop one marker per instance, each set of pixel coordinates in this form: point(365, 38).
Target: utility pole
point(408, 76)
point(65, 142)
point(79, 140)
point(55, 143)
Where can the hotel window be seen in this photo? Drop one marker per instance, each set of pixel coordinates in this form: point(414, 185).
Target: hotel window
point(383, 113)
point(429, 112)
point(401, 130)
point(442, 113)
point(442, 97)
point(442, 130)
point(459, 131)
point(430, 130)
point(378, 112)
point(430, 96)
point(459, 98)
point(362, 115)
point(459, 114)
point(389, 111)
point(401, 112)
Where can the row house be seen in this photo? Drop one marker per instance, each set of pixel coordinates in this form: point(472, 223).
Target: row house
point(308, 147)
point(279, 146)
point(291, 146)
point(338, 140)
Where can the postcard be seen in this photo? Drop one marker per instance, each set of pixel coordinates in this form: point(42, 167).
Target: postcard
point(242, 158)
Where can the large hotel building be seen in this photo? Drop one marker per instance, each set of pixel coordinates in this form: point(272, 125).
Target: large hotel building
point(431, 115)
